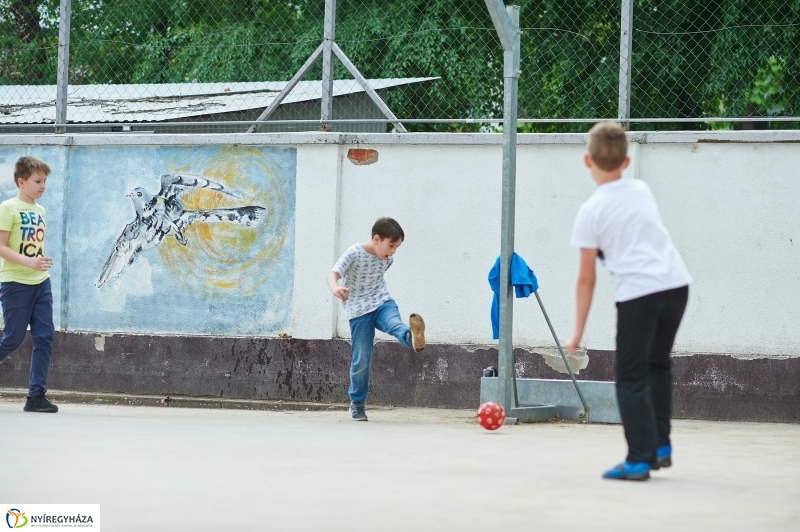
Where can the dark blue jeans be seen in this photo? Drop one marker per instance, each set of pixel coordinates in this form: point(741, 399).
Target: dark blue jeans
point(23, 305)
point(385, 318)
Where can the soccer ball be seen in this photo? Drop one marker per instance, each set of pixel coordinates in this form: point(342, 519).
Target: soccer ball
point(491, 415)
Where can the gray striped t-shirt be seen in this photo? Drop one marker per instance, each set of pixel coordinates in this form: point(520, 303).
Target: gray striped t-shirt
point(362, 273)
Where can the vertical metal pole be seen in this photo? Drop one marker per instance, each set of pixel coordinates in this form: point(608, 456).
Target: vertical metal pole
point(510, 86)
point(625, 45)
point(62, 80)
point(327, 64)
point(506, 21)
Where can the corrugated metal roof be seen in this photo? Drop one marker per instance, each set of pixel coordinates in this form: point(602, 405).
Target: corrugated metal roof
point(35, 104)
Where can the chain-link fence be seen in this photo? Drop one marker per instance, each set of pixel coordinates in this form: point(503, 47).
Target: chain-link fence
point(435, 65)
point(716, 59)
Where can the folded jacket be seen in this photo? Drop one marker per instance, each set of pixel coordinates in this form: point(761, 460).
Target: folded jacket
point(522, 278)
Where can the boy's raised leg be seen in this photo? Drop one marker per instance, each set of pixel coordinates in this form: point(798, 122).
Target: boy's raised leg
point(390, 322)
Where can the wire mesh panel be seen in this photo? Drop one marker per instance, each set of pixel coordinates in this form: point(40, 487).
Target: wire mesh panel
point(28, 53)
point(28, 42)
point(452, 42)
point(570, 61)
point(707, 58)
point(191, 65)
point(186, 61)
point(176, 62)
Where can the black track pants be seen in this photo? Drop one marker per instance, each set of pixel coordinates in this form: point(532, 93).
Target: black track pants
point(646, 328)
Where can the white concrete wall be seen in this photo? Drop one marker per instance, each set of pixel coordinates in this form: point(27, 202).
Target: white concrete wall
point(733, 210)
point(734, 213)
point(316, 214)
point(730, 199)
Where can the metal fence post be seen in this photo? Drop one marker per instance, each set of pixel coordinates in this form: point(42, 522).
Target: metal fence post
point(506, 22)
point(327, 64)
point(62, 81)
point(625, 42)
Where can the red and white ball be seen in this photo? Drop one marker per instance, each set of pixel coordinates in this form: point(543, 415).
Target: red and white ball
point(491, 415)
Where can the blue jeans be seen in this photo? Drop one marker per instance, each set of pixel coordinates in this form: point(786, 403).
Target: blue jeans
point(385, 318)
point(23, 305)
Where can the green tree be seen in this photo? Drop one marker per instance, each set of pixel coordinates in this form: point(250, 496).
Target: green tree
point(28, 42)
point(690, 59)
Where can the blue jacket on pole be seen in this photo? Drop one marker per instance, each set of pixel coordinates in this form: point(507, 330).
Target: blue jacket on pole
point(522, 278)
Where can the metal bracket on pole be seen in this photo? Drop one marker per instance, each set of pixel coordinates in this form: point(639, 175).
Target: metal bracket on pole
point(327, 50)
point(367, 88)
point(288, 88)
point(62, 81)
point(625, 45)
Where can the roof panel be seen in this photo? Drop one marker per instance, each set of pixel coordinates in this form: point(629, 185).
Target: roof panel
point(35, 104)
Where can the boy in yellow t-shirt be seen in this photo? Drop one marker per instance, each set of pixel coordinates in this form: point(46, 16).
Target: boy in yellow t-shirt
point(24, 282)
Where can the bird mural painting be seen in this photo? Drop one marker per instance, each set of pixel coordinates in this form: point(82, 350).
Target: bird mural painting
point(158, 216)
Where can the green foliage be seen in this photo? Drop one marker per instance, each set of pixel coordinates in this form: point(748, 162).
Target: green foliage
point(755, 33)
point(768, 88)
point(28, 50)
point(690, 59)
point(570, 62)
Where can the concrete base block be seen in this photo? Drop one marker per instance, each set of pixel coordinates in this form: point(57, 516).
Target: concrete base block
point(601, 397)
point(532, 414)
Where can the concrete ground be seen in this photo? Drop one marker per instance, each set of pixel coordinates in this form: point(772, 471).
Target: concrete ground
point(175, 469)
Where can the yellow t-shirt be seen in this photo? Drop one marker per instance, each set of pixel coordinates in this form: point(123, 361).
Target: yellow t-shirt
point(25, 225)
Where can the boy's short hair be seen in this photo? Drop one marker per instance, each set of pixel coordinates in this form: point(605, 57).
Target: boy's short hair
point(388, 228)
point(27, 165)
point(607, 146)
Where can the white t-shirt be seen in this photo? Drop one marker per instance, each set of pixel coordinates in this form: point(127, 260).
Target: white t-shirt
point(621, 220)
point(362, 273)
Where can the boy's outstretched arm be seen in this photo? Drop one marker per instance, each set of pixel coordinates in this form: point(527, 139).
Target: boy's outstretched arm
point(584, 290)
point(41, 264)
point(333, 283)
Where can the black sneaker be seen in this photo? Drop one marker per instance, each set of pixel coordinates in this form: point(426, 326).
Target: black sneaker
point(39, 403)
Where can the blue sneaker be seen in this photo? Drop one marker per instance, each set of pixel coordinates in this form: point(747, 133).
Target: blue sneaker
point(358, 412)
point(663, 457)
point(629, 471)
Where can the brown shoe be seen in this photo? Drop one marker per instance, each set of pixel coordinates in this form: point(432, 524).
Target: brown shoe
point(417, 325)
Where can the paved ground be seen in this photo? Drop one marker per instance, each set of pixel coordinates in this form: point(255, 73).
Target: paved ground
point(172, 469)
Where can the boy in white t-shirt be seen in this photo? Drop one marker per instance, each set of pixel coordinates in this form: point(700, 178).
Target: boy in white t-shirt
point(620, 223)
point(369, 306)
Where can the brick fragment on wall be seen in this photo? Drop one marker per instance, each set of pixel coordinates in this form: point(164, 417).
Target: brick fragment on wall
point(361, 157)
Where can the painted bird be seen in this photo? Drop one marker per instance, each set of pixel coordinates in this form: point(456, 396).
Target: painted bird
point(159, 215)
